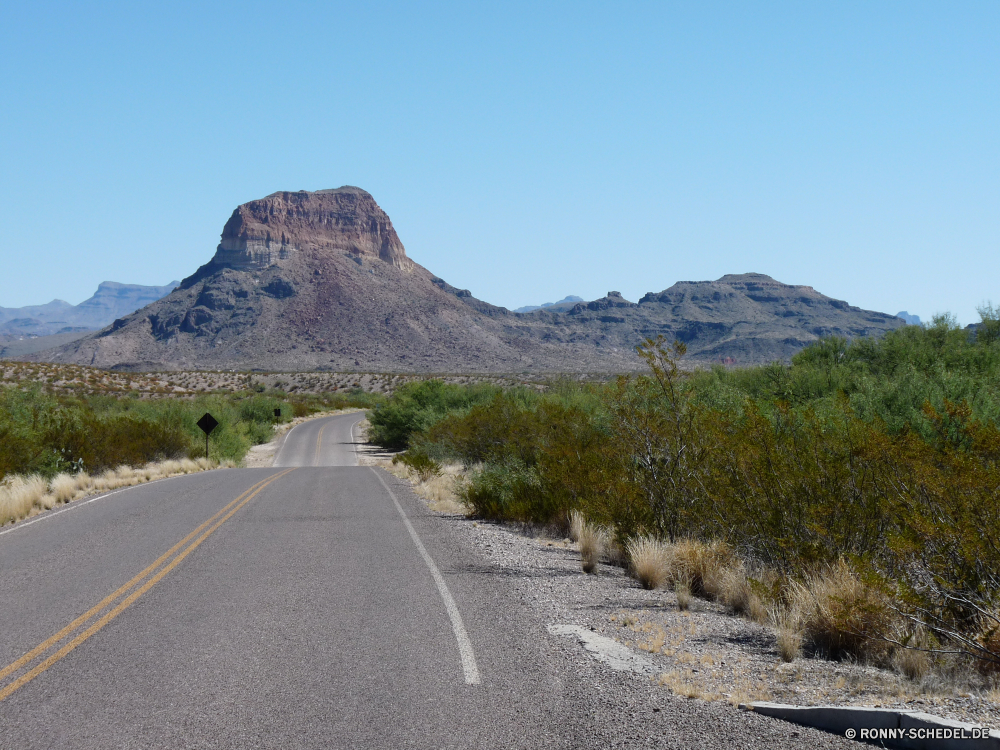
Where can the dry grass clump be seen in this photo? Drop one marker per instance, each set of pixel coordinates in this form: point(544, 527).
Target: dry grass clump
point(22, 496)
point(757, 611)
point(650, 561)
point(63, 487)
point(18, 495)
point(439, 489)
point(592, 542)
point(576, 522)
point(736, 593)
point(789, 643)
point(911, 663)
point(682, 590)
point(703, 564)
point(680, 685)
point(597, 543)
point(788, 629)
point(841, 615)
point(614, 553)
point(694, 568)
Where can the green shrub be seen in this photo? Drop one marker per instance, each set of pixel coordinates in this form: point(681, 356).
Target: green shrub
point(425, 466)
point(46, 433)
point(416, 406)
point(507, 490)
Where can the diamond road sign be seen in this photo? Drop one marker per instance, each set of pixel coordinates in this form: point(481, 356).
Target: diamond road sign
point(207, 423)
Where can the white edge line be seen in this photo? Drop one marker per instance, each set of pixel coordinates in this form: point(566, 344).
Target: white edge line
point(80, 503)
point(354, 443)
point(284, 442)
point(465, 650)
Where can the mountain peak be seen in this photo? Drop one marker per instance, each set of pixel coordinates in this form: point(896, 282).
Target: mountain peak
point(320, 280)
point(285, 225)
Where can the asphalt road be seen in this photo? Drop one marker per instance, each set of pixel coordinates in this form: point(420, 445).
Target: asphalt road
point(292, 607)
point(328, 441)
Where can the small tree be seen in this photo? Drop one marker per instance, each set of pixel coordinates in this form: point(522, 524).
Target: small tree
point(656, 426)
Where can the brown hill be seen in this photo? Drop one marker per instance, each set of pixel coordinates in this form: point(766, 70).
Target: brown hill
point(321, 281)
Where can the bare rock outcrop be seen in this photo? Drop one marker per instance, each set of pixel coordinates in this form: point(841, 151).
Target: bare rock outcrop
point(305, 281)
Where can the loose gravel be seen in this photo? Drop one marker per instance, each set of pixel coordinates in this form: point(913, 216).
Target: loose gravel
point(706, 660)
point(613, 709)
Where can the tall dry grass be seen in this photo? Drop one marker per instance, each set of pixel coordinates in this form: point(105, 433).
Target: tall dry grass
point(682, 590)
point(18, 495)
point(789, 642)
point(21, 497)
point(576, 522)
point(704, 564)
point(912, 663)
point(440, 489)
point(650, 561)
point(842, 615)
point(593, 540)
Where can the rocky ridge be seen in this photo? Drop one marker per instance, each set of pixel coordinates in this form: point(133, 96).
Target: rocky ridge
point(320, 280)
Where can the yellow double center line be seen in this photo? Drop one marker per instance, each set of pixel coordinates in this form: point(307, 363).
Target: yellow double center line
point(319, 446)
point(94, 620)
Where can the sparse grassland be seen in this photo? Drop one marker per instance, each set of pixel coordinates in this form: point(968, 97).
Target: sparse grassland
point(23, 497)
point(62, 378)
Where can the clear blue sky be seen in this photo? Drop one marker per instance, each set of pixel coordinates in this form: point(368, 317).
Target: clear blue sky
point(524, 151)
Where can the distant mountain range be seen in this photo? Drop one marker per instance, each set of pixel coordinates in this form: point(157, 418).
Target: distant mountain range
point(320, 280)
point(111, 301)
point(912, 320)
point(565, 303)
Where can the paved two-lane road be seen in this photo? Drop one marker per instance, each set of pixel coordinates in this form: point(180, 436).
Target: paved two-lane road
point(303, 612)
point(328, 441)
point(300, 606)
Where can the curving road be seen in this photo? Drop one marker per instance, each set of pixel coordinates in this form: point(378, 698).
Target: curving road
point(299, 606)
point(327, 441)
point(275, 608)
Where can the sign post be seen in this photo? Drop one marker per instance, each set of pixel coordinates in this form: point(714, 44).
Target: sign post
point(207, 423)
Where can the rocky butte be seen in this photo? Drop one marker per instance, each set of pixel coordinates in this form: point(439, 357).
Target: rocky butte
point(320, 280)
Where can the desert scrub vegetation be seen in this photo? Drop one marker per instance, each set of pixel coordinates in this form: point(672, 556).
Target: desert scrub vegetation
point(45, 434)
point(417, 405)
point(852, 493)
point(56, 447)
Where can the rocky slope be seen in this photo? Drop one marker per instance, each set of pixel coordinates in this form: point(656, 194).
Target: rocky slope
point(321, 281)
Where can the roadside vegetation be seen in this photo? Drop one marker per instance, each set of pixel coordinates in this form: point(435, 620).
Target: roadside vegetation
point(51, 440)
point(851, 498)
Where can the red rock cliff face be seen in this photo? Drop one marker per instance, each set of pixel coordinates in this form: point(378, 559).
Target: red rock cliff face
point(268, 231)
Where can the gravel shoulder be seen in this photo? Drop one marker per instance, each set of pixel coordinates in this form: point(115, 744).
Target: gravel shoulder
point(705, 659)
point(537, 585)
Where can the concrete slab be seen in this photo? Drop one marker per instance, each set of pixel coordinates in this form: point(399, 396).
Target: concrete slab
point(605, 650)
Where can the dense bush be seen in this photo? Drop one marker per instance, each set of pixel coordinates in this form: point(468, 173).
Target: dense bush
point(882, 452)
point(46, 434)
point(416, 406)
